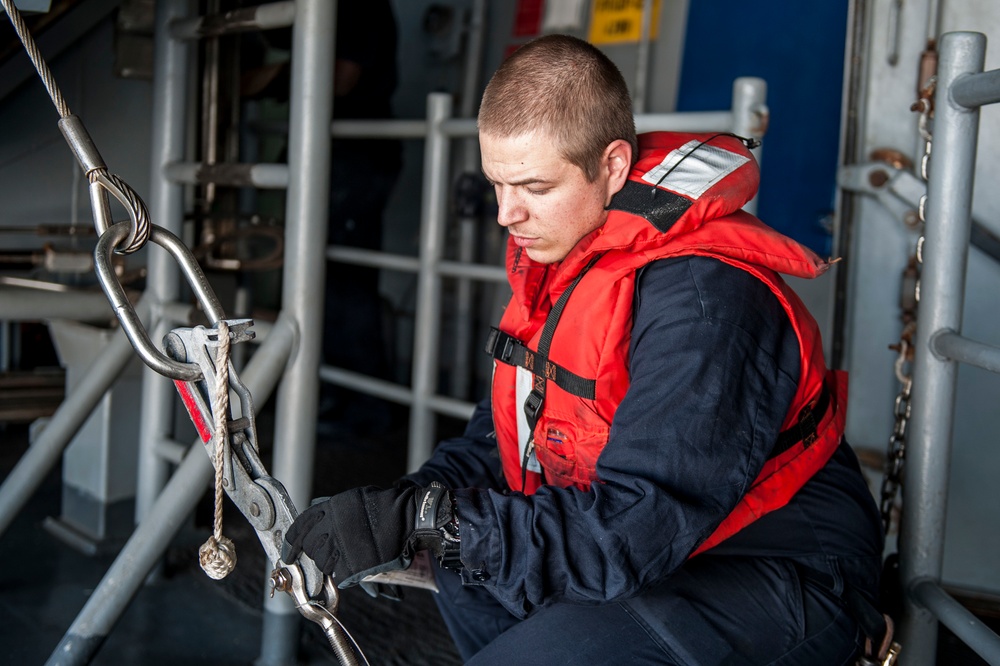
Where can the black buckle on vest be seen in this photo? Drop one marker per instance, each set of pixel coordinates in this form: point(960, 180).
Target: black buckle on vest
point(533, 406)
point(505, 342)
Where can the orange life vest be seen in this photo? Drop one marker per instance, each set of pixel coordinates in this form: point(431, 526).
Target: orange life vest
point(556, 387)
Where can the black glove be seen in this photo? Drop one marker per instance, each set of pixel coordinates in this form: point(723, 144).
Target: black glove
point(365, 531)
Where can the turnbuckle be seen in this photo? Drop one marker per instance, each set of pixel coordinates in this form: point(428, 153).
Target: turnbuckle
point(190, 360)
point(259, 496)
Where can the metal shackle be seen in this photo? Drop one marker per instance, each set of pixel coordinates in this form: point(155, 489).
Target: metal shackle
point(131, 324)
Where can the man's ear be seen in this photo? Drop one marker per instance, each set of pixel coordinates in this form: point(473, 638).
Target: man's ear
point(618, 162)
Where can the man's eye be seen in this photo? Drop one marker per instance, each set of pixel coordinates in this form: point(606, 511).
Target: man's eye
point(539, 191)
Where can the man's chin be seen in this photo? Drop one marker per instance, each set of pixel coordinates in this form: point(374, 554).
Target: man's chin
point(541, 256)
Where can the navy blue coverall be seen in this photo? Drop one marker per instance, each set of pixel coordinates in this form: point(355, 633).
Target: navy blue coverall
point(714, 366)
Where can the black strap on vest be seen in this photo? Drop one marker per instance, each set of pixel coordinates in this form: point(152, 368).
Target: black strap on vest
point(508, 349)
point(538, 363)
point(804, 430)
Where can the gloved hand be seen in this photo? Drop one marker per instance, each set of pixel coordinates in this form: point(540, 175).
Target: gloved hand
point(365, 531)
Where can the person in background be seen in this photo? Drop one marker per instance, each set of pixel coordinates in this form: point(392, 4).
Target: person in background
point(659, 475)
point(363, 173)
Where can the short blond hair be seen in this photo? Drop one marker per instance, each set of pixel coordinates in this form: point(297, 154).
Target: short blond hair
point(566, 87)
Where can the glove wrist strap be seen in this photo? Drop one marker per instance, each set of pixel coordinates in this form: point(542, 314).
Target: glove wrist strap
point(436, 513)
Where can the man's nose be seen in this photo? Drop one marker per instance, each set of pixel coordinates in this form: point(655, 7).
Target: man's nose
point(510, 209)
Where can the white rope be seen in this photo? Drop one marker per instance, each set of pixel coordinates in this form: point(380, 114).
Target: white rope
point(218, 555)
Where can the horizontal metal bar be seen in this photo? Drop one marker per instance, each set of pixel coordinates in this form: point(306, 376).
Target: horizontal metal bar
point(403, 263)
point(700, 121)
point(966, 626)
point(379, 388)
point(399, 129)
point(975, 90)
point(393, 392)
point(171, 450)
point(460, 127)
point(374, 258)
point(458, 409)
point(958, 348)
point(264, 176)
point(983, 239)
point(474, 271)
point(20, 304)
point(374, 129)
point(261, 17)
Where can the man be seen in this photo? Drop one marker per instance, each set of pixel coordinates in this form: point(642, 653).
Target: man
point(672, 485)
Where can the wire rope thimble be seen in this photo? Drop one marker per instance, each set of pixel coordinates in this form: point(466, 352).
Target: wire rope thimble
point(103, 183)
point(217, 557)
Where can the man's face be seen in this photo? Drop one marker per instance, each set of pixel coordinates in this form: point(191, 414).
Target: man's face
point(545, 202)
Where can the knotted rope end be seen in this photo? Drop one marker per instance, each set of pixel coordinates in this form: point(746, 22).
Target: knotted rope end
point(217, 557)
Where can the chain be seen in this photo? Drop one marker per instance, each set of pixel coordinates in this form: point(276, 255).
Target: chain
point(896, 452)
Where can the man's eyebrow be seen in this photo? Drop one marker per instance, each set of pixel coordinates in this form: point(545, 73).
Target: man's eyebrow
point(532, 180)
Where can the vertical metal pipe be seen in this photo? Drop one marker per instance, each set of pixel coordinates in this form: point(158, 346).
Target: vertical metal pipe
point(473, 63)
point(468, 225)
point(5, 344)
point(933, 19)
point(242, 306)
point(307, 208)
point(151, 538)
point(945, 255)
point(461, 374)
point(43, 454)
point(210, 108)
point(166, 208)
point(428, 324)
point(851, 138)
point(750, 116)
point(642, 59)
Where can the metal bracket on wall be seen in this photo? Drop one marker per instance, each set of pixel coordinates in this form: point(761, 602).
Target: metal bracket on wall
point(899, 191)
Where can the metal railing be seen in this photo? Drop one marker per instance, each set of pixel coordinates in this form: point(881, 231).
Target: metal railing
point(962, 87)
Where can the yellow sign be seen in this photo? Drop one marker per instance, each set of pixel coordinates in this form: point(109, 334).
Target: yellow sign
point(617, 21)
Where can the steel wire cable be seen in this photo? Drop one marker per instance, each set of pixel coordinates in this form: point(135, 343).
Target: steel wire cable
point(37, 60)
point(75, 133)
